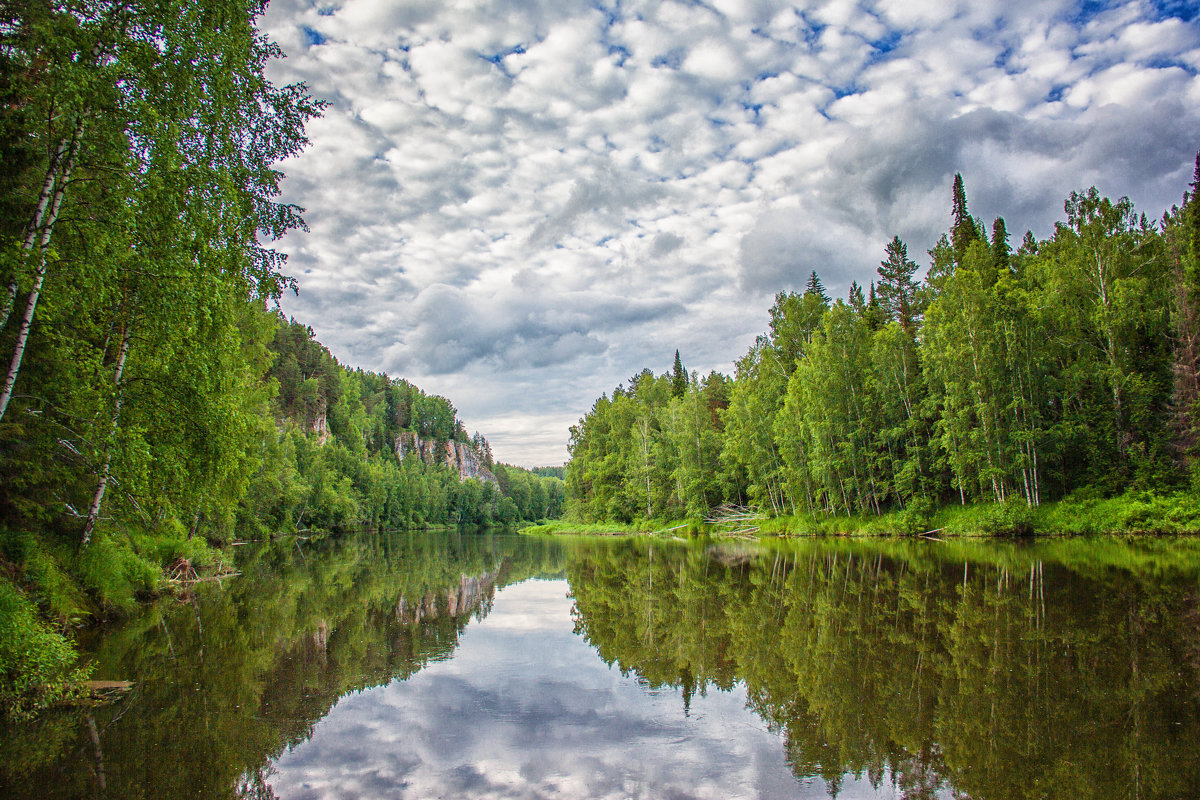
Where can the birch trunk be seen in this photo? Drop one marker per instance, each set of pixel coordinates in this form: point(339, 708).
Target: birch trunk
point(102, 483)
point(59, 191)
point(35, 225)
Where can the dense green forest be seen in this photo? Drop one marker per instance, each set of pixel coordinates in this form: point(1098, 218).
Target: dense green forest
point(153, 403)
point(1068, 367)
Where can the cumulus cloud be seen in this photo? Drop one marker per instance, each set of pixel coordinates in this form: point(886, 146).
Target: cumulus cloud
point(552, 193)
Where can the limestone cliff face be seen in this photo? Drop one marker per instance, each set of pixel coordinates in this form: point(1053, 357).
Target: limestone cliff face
point(458, 456)
point(320, 422)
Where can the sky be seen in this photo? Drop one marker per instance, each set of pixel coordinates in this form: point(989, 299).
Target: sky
point(520, 204)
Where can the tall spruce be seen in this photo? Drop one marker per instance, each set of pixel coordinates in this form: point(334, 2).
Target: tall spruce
point(679, 378)
point(815, 287)
point(964, 230)
point(1001, 252)
point(897, 291)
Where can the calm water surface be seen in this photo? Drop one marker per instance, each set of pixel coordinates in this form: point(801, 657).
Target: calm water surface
point(499, 666)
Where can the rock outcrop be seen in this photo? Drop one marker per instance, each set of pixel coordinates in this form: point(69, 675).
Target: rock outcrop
point(458, 456)
point(320, 422)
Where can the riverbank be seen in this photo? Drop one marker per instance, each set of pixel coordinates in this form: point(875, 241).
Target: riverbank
point(1080, 514)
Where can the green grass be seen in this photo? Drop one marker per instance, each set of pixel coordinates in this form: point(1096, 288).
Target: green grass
point(1078, 514)
point(1081, 513)
point(560, 526)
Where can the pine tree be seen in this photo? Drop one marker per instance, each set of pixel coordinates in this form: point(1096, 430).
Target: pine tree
point(897, 290)
point(679, 378)
point(1001, 252)
point(855, 297)
point(964, 231)
point(816, 288)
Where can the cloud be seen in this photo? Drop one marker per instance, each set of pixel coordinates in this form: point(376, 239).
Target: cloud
point(553, 193)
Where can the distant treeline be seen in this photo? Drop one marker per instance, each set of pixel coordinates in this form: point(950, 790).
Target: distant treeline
point(1007, 375)
point(334, 464)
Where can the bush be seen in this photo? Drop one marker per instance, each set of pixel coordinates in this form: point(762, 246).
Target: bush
point(37, 666)
point(916, 518)
point(1013, 517)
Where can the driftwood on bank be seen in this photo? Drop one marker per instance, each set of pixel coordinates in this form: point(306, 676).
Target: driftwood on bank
point(731, 519)
point(183, 574)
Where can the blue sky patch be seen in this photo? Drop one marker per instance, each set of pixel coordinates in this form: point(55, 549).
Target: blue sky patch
point(313, 36)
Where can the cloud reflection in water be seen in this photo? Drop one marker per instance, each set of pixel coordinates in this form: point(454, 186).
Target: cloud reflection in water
point(526, 709)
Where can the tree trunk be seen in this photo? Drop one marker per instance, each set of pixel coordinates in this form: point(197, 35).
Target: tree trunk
point(60, 189)
point(34, 226)
point(102, 482)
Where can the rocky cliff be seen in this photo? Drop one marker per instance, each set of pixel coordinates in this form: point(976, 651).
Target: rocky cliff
point(458, 456)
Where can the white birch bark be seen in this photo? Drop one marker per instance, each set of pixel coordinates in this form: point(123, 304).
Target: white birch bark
point(102, 482)
point(60, 190)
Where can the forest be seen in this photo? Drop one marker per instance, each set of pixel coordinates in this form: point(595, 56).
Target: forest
point(1007, 377)
point(155, 403)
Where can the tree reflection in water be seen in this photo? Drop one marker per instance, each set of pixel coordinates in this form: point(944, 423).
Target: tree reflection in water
point(982, 670)
point(989, 670)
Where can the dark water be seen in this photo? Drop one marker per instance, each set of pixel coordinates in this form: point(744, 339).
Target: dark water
point(499, 666)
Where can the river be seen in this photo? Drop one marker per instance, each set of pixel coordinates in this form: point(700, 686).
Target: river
point(492, 665)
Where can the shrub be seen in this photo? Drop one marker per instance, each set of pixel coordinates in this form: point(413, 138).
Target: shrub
point(37, 666)
point(1013, 517)
point(916, 518)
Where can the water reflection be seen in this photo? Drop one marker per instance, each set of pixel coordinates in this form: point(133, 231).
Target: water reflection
point(525, 710)
point(991, 671)
point(428, 665)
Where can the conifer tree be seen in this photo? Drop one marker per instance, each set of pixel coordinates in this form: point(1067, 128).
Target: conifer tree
point(897, 290)
point(816, 288)
point(964, 230)
point(1001, 253)
point(1029, 245)
point(855, 297)
point(679, 378)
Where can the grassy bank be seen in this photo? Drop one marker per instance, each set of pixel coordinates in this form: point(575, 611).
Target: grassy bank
point(1080, 514)
point(48, 588)
point(569, 527)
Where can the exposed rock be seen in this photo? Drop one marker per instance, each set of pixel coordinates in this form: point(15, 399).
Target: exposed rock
point(320, 422)
point(459, 456)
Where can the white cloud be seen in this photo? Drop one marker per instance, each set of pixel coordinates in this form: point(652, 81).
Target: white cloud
point(521, 204)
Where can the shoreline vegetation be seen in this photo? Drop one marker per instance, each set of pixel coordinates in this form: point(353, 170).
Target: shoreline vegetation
point(1045, 389)
point(1131, 514)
